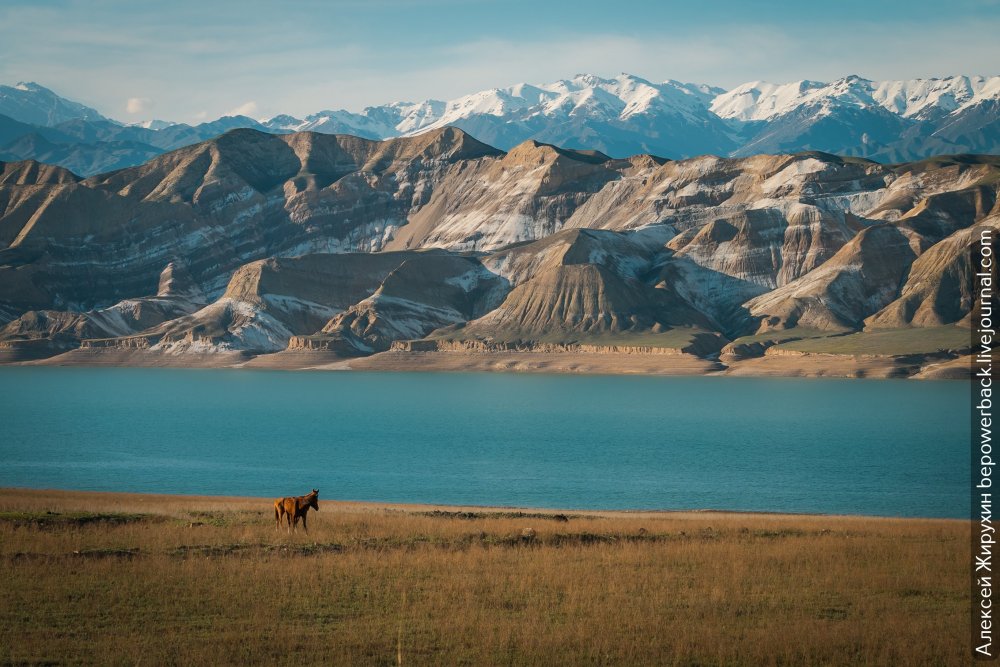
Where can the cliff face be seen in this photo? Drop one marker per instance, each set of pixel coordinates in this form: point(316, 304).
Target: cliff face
point(425, 293)
point(268, 301)
point(250, 241)
point(856, 282)
point(938, 286)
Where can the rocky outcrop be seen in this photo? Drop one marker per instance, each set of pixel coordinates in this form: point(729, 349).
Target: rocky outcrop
point(621, 253)
point(59, 331)
point(938, 288)
point(30, 172)
point(527, 194)
point(268, 302)
point(584, 299)
point(863, 277)
point(216, 205)
point(426, 292)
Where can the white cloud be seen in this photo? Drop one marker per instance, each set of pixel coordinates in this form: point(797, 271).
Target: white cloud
point(245, 109)
point(136, 105)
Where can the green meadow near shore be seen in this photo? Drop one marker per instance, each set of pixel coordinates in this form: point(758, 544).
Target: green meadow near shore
point(102, 578)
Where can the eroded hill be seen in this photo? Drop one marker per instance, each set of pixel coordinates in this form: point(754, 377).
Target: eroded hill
point(252, 243)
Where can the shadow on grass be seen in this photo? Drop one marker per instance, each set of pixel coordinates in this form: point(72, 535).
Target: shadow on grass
point(64, 519)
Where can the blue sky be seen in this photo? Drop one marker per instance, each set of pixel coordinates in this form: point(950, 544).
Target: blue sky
point(187, 60)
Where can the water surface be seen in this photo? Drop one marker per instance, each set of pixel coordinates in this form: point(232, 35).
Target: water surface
point(879, 447)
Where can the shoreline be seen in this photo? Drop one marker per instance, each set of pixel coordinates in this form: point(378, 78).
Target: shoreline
point(798, 364)
point(120, 499)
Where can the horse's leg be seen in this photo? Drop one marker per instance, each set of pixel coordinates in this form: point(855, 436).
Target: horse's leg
point(288, 519)
point(304, 527)
point(277, 518)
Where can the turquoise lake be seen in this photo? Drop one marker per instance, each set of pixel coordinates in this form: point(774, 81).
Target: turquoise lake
point(876, 447)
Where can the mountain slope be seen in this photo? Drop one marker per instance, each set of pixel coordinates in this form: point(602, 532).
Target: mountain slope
point(244, 196)
point(252, 242)
point(938, 287)
point(863, 277)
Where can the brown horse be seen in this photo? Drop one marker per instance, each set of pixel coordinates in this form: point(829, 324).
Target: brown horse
point(294, 509)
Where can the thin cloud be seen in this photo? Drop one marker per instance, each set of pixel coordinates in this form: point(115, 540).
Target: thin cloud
point(136, 105)
point(245, 109)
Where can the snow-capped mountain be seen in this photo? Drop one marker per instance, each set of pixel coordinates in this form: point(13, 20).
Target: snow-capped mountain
point(37, 105)
point(915, 98)
point(623, 115)
point(584, 95)
point(153, 124)
point(389, 120)
point(889, 121)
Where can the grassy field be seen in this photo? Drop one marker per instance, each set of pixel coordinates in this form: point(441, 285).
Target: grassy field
point(923, 340)
point(116, 579)
point(784, 335)
point(888, 341)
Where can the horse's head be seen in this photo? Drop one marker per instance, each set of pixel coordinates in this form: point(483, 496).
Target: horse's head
point(314, 499)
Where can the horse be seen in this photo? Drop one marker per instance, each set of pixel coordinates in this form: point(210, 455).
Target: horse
point(295, 508)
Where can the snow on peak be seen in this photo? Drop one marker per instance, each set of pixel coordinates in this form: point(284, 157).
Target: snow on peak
point(32, 103)
point(913, 98)
point(627, 97)
point(760, 100)
point(154, 124)
point(282, 122)
point(586, 95)
point(626, 100)
point(922, 98)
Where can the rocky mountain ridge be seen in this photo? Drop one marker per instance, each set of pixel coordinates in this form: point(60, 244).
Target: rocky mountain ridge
point(252, 243)
point(888, 121)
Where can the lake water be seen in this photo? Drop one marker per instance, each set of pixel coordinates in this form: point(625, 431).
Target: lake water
point(892, 447)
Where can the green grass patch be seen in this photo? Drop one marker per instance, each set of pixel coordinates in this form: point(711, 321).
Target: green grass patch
point(786, 335)
point(888, 342)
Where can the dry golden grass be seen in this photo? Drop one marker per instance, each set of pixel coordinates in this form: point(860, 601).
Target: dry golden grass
point(157, 580)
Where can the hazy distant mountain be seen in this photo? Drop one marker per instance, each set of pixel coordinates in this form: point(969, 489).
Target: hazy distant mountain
point(89, 147)
point(79, 156)
point(153, 124)
point(36, 105)
point(890, 121)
